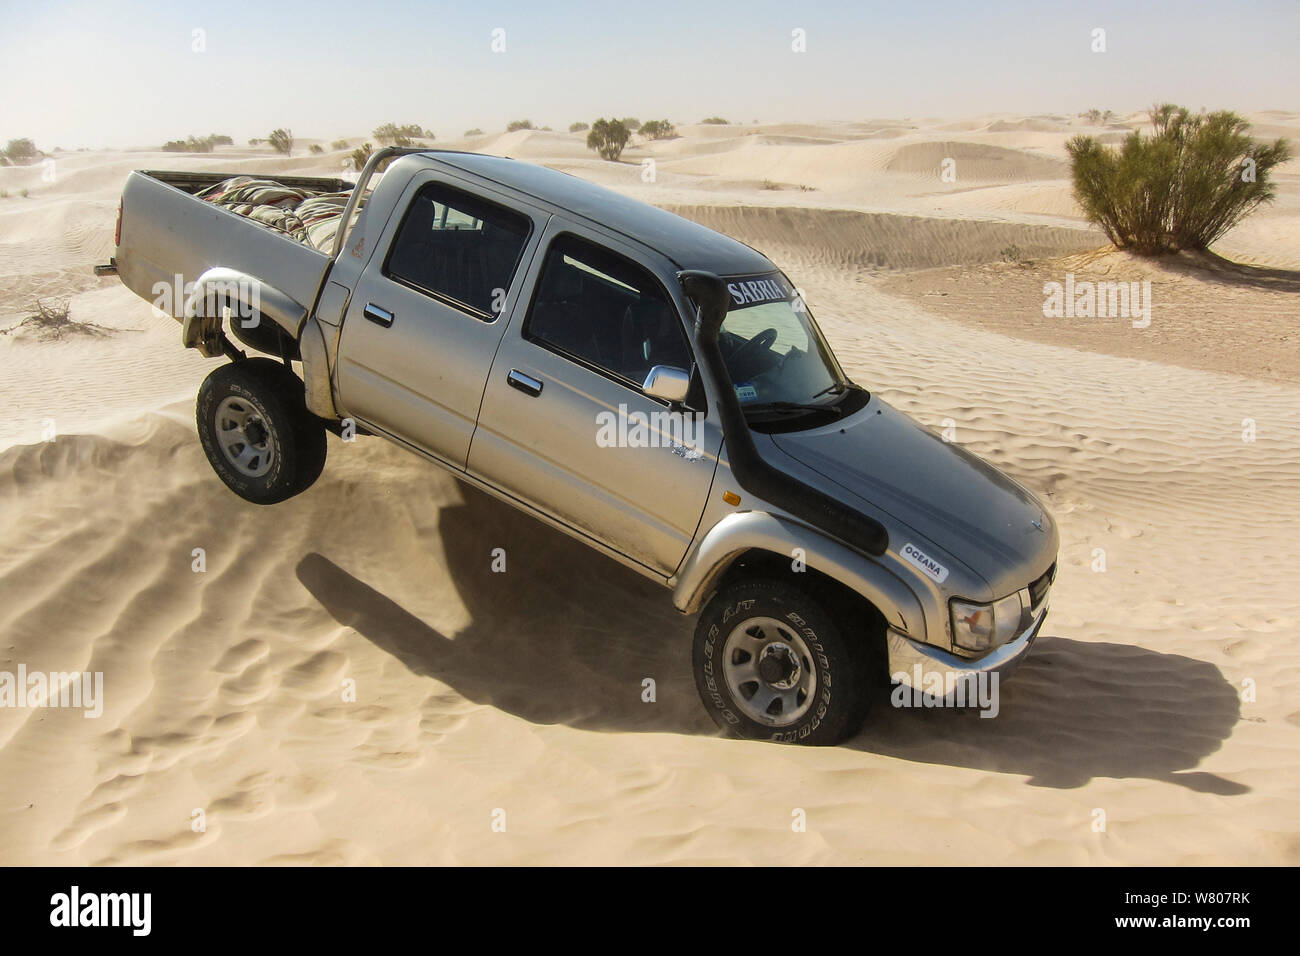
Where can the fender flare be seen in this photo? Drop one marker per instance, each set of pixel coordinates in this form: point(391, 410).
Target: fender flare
point(759, 530)
point(219, 283)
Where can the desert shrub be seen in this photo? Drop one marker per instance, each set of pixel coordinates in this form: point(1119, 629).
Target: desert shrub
point(191, 145)
point(315, 148)
point(658, 129)
point(519, 124)
point(256, 142)
point(474, 132)
point(390, 134)
point(361, 154)
point(578, 127)
point(281, 141)
point(769, 184)
point(217, 139)
point(632, 123)
point(1183, 187)
point(714, 121)
point(339, 144)
point(20, 152)
point(45, 321)
point(608, 138)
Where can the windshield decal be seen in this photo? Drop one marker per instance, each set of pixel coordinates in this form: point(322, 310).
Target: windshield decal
point(746, 392)
point(745, 292)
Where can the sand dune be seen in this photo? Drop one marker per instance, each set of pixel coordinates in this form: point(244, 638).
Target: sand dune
point(880, 241)
point(478, 691)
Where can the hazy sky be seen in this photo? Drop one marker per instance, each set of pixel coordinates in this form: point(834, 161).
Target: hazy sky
point(127, 74)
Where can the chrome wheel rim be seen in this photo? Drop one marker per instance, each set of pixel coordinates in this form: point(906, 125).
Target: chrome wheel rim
point(244, 436)
point(769, 671)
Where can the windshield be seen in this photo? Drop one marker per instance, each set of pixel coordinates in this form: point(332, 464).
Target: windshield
point(773, 350)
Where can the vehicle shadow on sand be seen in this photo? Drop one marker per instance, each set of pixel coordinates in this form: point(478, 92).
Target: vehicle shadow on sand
point(568, 636)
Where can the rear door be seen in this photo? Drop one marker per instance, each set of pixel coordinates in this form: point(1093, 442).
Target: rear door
point(565, 425)
point(428, 312)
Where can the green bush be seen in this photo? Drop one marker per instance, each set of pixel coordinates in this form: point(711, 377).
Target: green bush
point(578, 127)
point(360, 155)
point(281, 141)
point(474, 132)
point(390, 134)
point(519, 124)
point(315, 148)
point(608, 137)
point(20, 152)
point(339, 144)
point(191, 145)
point(714, 121)
point(658, 129)
point(1183, 187)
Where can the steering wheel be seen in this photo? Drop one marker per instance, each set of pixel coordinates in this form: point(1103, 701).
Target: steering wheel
point(763, 340)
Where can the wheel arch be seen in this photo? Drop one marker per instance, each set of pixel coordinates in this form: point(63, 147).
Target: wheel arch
point(201, 326)
point(764, 544)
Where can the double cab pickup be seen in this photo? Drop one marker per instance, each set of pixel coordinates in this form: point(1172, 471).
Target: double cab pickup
point(653, 388)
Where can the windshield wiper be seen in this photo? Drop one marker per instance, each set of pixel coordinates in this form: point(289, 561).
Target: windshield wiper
point(790, 407)
point(835, 388)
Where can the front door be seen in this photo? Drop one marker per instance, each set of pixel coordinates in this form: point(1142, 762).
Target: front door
point(428, 313)
point(565, 425)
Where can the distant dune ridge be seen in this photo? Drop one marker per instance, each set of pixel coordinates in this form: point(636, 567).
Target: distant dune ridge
point(1163, 691)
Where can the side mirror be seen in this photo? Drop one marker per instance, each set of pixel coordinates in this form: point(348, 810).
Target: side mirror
point(668, 384)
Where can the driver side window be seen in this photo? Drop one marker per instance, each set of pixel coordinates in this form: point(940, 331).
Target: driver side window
point(605, 311)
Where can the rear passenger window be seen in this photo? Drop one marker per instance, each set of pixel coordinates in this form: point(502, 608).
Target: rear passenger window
point(599, 307)
point(459, 248)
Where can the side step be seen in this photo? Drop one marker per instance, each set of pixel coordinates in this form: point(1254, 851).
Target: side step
point(107, 270)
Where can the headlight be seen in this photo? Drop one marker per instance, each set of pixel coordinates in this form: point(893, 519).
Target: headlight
point(982, 627)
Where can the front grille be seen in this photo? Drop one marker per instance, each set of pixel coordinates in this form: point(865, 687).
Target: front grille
point(1038, 589)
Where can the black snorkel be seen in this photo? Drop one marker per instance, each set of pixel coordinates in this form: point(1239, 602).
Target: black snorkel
point(752, 471)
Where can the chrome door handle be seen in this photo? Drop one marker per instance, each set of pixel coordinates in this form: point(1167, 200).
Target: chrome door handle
point(525, 383)
point(377, 315)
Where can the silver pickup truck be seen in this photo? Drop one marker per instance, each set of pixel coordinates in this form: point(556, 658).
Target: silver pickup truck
point(649, 386)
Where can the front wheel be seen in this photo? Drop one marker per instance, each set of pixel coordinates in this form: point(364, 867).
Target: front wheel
point(257, 432)
point(770, 663)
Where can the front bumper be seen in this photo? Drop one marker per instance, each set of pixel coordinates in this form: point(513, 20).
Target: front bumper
point(919, 666)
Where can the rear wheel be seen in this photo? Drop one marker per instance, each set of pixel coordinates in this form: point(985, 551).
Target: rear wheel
point(770, 663)
point(256, 430)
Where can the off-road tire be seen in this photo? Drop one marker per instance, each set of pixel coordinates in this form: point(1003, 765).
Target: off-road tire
point(272, 398)
point(843, 687)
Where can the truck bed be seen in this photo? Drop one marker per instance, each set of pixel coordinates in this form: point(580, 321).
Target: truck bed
point(170, 237)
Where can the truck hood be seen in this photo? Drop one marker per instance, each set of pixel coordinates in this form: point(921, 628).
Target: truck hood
point(956, 500)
